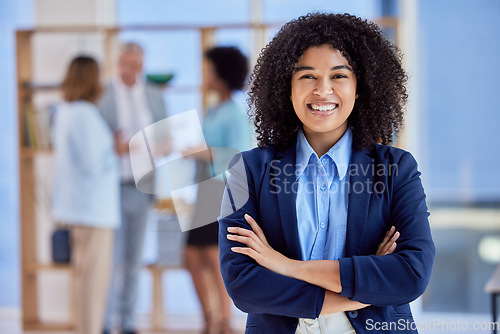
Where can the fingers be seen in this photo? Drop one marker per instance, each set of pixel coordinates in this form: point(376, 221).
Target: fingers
point(241, 231)
point(394, 237)
point(380, 248)
point(388, 244)
point(246, 251)
point(388, 234)
point(391, 249)
point(391, 245)
point(254, 238)
point(249, 241)
point(255, 227)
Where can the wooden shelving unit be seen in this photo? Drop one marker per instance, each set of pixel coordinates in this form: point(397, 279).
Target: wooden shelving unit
point(31, 268)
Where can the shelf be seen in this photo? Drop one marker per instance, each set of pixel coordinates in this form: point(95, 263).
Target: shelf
point(28, 152)
point(33, 268)
point(147, 27)
point(30, 87)
point(27, 88)
point(46, 327)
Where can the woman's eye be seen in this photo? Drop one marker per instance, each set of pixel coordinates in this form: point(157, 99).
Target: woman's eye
point(339, 76)
point(307, 76)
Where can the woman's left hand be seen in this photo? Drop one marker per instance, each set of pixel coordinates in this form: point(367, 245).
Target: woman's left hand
point(258, 247)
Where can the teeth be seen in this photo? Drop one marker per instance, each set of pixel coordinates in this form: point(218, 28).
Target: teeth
point(323, 107)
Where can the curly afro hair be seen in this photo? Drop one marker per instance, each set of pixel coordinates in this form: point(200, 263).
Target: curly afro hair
point(230, 65)
point(378, 112)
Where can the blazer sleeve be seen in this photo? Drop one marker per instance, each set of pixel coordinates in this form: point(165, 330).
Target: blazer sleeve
point(253, 288)
point(403, 276)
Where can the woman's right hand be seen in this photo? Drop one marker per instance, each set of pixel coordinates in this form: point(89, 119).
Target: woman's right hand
point(388, 244)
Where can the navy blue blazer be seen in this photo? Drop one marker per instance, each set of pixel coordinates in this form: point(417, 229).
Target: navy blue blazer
point(385, 190)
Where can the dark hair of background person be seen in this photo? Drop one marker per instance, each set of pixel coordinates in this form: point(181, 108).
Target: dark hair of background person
point(82, 80)
point(378, 112)
point(230, 65)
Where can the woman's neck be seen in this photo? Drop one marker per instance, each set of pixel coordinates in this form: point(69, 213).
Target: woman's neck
point(322, 142)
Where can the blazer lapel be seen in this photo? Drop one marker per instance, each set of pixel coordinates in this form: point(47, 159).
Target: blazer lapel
point(150, 100)
point(360, 188)
point(108, 108)
point(283, 177)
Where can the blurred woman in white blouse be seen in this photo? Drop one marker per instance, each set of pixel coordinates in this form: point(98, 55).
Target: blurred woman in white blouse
point(86, 188)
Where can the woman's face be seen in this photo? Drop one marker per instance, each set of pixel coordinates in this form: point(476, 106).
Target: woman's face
point(323, 91)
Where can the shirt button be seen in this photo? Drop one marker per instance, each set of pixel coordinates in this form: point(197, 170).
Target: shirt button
point(353, 314)
point(324, 161)
point(323, 187)
point(322, 225)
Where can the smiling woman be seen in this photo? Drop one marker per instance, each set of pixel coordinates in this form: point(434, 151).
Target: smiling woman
point(340, 242)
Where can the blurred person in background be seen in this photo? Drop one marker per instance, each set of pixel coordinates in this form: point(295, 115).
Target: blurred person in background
point(86, 188)
point(224, 125)
point(128, 105)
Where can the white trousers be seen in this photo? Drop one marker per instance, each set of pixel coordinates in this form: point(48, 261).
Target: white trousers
point(92, 251)
point(333, 323)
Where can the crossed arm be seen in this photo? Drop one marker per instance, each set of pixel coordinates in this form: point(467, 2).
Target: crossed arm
point(323, 273)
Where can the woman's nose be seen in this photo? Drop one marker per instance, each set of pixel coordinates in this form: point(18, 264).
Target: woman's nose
point(323, 88)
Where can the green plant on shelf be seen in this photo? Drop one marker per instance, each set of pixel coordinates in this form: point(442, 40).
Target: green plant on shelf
point(160, 79)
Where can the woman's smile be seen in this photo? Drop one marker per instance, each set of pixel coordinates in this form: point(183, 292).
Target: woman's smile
point(322, 108)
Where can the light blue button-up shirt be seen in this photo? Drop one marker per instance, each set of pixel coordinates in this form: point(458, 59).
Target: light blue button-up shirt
point(322, 198)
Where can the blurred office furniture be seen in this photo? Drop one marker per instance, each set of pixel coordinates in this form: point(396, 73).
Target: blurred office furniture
point(170, 244)
point(493, 287)
point(44, 284)
point(460, 268)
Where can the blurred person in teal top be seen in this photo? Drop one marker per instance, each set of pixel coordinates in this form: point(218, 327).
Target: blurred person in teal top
point(86, 192)
point(226, 126)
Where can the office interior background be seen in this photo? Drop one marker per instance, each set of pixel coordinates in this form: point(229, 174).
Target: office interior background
point(451, 50)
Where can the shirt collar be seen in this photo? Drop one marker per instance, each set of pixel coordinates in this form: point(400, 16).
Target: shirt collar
point(340, 153)
point(137, 87)
point(304, 152)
